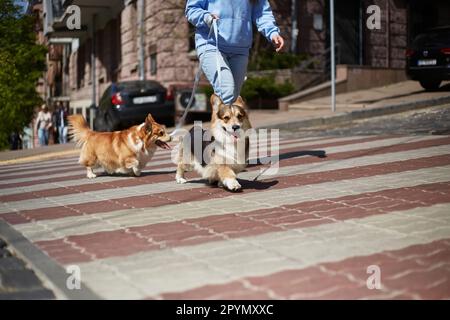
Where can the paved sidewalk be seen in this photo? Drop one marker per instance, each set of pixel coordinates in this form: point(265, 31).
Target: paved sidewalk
point(397, 93)
point(383, 100)
point(311, 230)
point(394, 98)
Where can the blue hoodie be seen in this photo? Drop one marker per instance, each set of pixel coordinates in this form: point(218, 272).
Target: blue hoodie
point(234, 24)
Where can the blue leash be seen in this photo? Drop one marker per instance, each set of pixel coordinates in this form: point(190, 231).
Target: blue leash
point(212, 29)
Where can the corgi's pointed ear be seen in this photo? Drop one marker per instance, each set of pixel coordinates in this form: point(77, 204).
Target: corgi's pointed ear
point(240, 102)
point(148, 127)
point(149, 123)
point(215, 102)
point(149, 119)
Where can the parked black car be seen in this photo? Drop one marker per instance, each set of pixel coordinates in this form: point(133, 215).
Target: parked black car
point(127, 103)
point(428, 58)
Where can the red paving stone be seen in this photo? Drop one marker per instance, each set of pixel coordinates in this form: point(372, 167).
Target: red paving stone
point(79, 176)
point(416, 272)
point(346, 279)
point(204, 193)
point(163, 177)
point(222, 227)
point(74, 164)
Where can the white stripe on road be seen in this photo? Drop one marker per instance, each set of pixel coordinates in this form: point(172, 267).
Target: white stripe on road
point(169, 186)
point(329, 150)
point(149, 274)
point(159, 155)
point(90, 223)
point(293, 145)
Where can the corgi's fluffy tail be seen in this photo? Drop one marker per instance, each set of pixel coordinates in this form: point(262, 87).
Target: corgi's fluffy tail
point(78, 129)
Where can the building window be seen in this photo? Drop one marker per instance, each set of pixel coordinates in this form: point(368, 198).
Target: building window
point(153, 65)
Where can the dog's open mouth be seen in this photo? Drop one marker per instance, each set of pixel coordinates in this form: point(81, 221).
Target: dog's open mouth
point(235, 135)
point(162, 144)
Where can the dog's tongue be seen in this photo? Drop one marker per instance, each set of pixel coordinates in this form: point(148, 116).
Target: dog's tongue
point(162, 144)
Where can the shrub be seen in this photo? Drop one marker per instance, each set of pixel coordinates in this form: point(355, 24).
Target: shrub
point(265, 87)
point(269, 60)
point(260, 88)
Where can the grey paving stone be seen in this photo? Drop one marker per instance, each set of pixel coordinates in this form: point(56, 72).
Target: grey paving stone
point(38, 294)
point(4, 253)
point(20, 279)
point(17, 281)
point(11, 263)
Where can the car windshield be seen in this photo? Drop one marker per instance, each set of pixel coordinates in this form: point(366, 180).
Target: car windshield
point(438, 38)
point(135, 85)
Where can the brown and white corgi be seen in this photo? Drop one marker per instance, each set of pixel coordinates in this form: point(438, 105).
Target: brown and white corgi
point(126, 151)
point(220, 153)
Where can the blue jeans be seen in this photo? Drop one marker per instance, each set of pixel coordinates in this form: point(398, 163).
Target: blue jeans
point(43, 137)
point(233, 70)
point(62, 134)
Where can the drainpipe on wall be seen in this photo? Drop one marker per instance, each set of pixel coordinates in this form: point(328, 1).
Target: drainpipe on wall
point(361, 35)
point(294, 32)
point(63, 73)
point(388, 35)
point(93, 74)
point(333, 59)
point(141, 9)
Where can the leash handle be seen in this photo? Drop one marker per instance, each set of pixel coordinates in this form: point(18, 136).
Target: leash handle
point(212, 29)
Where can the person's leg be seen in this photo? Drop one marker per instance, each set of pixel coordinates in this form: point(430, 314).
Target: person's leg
point(41, 137)
point(46, 134)
point(238, 64)
point(60, 137)
point(226, 88)
point(64, 134)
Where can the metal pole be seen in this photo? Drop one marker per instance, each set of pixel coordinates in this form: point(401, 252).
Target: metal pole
point(333, 62)
point(294, 32)
point(361, 41)
point(141, 40)
point(94, 74)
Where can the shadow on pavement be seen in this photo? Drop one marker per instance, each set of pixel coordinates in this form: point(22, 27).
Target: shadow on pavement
point(129, 175)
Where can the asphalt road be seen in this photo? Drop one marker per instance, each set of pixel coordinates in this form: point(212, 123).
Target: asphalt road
point(433, 120)
point(17, 280)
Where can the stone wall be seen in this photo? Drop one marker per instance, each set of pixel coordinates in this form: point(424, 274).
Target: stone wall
point(386, 47)
point(311, 41)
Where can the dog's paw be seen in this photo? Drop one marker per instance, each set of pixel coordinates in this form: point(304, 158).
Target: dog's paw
point(231, 184)
point(181, 180)
point(91, 175)
point(136, 172)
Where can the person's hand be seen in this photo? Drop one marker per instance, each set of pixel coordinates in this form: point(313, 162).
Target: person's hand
point(209, 18)
point(278, 42)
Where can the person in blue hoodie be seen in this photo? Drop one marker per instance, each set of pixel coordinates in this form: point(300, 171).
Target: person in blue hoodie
point(235, 20)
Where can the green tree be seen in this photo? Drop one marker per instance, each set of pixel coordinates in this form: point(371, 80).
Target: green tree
point(22, 62)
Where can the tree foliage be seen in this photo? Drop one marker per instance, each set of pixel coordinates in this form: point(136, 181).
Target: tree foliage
point(22, 62)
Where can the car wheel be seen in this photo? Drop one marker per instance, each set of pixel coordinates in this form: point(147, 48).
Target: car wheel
point(110, 124)
point(98, 124)
point(430, 85)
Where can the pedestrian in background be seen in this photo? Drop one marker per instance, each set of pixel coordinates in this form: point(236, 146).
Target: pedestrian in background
point(43, 125)
point(61, 122)
point(15, 141)
point(235, 19)
point(54, 131)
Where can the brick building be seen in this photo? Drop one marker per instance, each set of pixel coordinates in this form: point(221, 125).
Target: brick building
point(109, 45)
